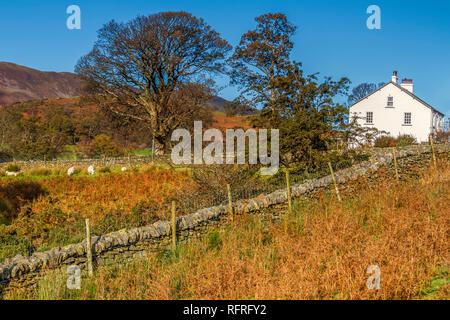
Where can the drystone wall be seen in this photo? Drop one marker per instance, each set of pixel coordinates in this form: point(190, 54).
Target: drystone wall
point(126, 245)
point(84, 163)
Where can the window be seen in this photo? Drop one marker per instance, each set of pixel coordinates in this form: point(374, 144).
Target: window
point(369, 117)
point(407, 118)
point(390, 101)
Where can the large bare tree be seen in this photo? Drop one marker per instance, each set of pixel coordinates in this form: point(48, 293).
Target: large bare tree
point(153, 69)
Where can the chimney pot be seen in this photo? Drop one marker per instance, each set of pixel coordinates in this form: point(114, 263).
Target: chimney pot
point(394, 77)
point(408, 84)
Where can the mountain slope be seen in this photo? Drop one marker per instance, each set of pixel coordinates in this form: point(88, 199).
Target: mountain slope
point(19, 83)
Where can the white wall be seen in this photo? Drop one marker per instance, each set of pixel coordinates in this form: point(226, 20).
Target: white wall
point(391, 119)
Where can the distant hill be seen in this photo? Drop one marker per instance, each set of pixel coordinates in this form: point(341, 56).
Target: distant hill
point(19, 83)
point(216, 104)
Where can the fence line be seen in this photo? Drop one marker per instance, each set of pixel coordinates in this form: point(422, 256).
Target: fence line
point(73, 232)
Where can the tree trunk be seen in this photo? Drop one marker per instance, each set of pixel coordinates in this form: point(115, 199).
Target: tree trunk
point(159, 146)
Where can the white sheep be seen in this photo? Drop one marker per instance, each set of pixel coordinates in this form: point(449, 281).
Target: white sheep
point(8, 173)
point(124, 169)
point(71, 171)
point(91, 169)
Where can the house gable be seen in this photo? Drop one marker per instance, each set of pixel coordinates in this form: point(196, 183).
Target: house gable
point(410, 94)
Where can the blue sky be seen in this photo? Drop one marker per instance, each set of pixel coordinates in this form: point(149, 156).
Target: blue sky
point(332, 36)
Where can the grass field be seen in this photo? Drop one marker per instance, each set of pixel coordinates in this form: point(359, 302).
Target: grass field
point(49, 210)
point(402, 227)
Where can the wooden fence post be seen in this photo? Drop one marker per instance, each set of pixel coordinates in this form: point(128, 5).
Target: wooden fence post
point(334, 182)
point(89, 249)
point(432, 151)
point(230, 203)
point(174, 227)
point(395, 162)
point(288, 188)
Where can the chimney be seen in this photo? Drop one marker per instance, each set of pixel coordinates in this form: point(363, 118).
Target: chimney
point(408, 85)
point(394, 77)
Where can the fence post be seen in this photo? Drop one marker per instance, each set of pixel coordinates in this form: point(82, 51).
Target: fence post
point(395, 162)
point(89, 249)
point(153, 149)
point(432, 150)
point(174, 227)
point(230, 203)
point(334, 182)
point(288, 188)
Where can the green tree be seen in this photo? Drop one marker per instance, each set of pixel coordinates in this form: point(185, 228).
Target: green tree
point(261, 58)
point(32, 140)
point(303, 108)
point(102, 145)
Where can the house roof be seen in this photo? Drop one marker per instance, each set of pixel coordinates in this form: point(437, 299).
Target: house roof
point(404, 90)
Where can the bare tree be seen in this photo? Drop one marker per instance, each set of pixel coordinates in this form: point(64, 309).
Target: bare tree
point(143, 65)
point(362, 90)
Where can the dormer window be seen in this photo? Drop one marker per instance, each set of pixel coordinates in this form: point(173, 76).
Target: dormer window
point(390, 102)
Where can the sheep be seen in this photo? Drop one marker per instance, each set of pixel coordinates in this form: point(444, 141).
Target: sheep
point(8, 173)
point(91, 169)
point(71, 171)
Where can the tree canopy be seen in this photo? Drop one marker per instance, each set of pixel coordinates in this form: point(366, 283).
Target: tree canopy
point(143, 67)
point(301, 106)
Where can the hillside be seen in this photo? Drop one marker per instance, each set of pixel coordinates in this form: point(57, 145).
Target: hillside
point(19, 83)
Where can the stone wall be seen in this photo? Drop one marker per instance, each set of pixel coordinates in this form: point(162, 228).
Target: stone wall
point(126, 245)
point(84, 163)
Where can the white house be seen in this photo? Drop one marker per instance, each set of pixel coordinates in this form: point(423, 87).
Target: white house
point(396, 109)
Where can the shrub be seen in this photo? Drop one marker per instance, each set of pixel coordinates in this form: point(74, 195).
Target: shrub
point(104, 170)
point(58, 172)
point(405, 140)
point(40, 172)
point(388, 141)
point(441, 136)
point(214, 178)
point(5, 156)
point(15, 194)
point(385, 142)
point(102, 145)
point(13, 168)
point(15, 245)
point(214, 240)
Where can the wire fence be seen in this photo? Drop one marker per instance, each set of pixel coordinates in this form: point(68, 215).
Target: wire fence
point(145, 213)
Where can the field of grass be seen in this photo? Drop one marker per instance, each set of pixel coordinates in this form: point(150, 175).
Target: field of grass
point(402, 227)
point(48, 210)
point(44, 208)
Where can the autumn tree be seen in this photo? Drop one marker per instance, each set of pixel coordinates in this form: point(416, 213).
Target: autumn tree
point(142, 66)
point(33, 140)
point(102, 145)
